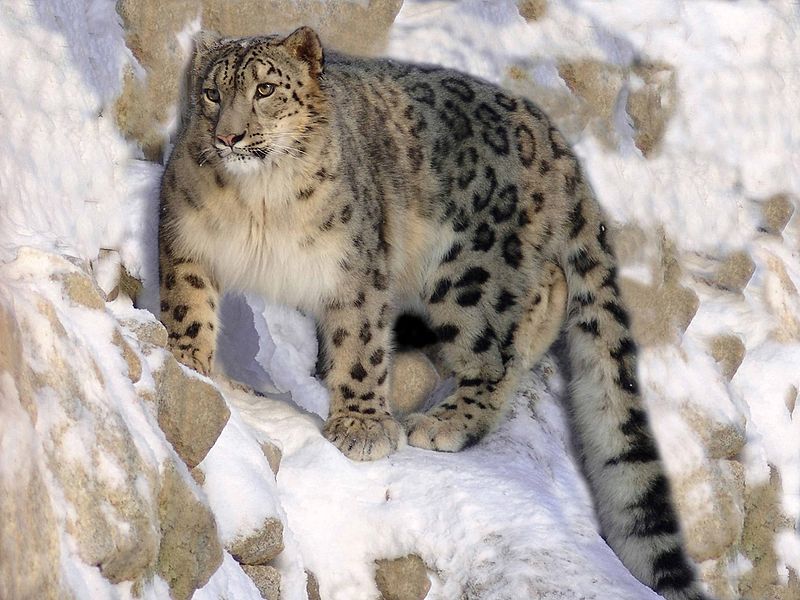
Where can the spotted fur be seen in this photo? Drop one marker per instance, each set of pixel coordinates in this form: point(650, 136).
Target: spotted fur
point(357, 189)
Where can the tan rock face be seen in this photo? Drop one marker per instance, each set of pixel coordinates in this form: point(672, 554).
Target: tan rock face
point(714, 574)
point(34, 572)
point(664, 308)
point(146, 106)
point(532, 10)
point(267, 580)
point(403, 578)
point(190, 550)
point(149, 332)
point(595, 87)
point(735, 272)
point(100, 503)
point(198, 475)
point(82, 290)
point(595, 82)
point(658, 312)
point(710, 502)
point(131, 359)
point(776, 211)
point(728, 351)
point(783, 300)
point(312, 586)
point(720, 440)
point(191, 413)
point(93, 463)
point(764, 519)
point(651, 103)
point(261, 546)
point(273, 455)
point(791, 399)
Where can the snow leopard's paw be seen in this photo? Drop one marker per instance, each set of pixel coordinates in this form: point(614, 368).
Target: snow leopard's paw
point(435, 433)
point(194, 358)
point(361, 437)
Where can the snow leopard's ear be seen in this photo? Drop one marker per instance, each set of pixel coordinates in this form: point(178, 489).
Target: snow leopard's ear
point(304, 44)
point(204, 42)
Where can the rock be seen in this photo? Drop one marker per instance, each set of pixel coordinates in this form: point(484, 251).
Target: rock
point(198, 475)
point(29, 539)
point(312, 586)
point(149, 331)
point(261, 546)
point(710, 501)
point(776, 211)
point(403, 578)
point(105, 272)
point(413, 379)
point(658, 312)
point(91, 456)
point(652, 103)
point(81, 289)
point(131, 358)
point(191, 412)
point(532, 10)
point(595, 82)
point(147, 103)
point(30, 526)
point(267, 580)
point(782, 299)
point(129, 285)
point(661, 309)
point(791, 399)
point(112, 277)
point(720, 439)
point(595, 87)
point(91, 460)
point(190, 550)
point(735, 272)
point(715, 574)
point(764, 519)
point(273, 455)
point(728, 351)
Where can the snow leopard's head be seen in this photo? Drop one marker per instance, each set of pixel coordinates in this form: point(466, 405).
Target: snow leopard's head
point(256, 100)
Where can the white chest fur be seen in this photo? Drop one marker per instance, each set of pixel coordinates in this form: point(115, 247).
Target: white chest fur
point(268, 248)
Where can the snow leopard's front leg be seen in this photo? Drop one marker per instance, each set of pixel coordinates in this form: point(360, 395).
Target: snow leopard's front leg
point(189, 300)
point(354, 336)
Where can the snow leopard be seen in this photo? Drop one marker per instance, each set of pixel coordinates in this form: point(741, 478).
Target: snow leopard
point(359, 189)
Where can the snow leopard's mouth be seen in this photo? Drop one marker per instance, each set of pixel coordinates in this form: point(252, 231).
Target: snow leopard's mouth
point(227, 153)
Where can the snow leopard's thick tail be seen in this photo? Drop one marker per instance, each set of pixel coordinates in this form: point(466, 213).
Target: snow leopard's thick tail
point(622, 463)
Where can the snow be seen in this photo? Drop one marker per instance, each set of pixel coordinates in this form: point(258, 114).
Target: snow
point(64, 192)
point(228, 582)
point(512, 513)
point(237, 481)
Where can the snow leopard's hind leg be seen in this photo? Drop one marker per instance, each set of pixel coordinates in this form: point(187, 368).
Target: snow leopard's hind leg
point(487, 350)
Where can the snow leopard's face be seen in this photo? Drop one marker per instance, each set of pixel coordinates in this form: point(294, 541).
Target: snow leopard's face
point(258, 99)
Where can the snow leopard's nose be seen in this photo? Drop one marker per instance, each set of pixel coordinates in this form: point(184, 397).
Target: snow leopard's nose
point(230, 139)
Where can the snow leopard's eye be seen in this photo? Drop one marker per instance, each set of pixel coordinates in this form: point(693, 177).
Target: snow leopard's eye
point(211, 94)
point(264, 89)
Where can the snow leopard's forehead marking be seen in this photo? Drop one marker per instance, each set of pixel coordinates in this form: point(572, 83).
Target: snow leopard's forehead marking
point(243, 61)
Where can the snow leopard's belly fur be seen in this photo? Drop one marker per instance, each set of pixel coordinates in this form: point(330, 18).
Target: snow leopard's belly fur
point(354, 189)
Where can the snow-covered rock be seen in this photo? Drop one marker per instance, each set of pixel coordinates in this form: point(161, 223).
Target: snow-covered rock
point(113, 500)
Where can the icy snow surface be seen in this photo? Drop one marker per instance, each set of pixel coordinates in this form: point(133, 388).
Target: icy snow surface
point(512, 515)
